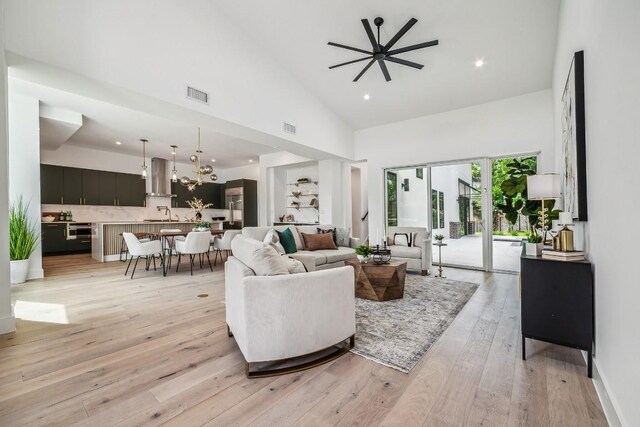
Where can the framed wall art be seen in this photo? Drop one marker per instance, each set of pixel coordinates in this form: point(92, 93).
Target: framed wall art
point(574, 174)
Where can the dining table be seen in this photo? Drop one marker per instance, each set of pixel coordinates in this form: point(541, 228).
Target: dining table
point(169, 237)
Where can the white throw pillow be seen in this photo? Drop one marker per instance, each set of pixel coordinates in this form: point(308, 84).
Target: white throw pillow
point(272, 239)
point(400, 239)
point(262, 258)
point(293, 265)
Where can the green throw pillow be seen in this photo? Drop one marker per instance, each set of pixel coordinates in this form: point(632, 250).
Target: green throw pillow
point(287, 241)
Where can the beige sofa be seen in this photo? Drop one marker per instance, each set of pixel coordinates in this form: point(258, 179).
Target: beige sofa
point(418, 255)
point(276, 315)
point(324, 258)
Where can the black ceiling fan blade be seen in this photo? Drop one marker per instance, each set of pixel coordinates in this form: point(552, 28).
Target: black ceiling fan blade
point(404, 62)
point(349, 62)
point(385, 71)
point(364, 70)
point(372, 38)
point(413, 47)
point(400, 33)
point(355, 49)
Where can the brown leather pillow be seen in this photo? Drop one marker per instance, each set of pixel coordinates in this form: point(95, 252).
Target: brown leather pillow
point(314, 242)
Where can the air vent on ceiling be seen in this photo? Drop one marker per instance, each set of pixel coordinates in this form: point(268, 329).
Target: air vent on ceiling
point(289, 128)
point(197, 95)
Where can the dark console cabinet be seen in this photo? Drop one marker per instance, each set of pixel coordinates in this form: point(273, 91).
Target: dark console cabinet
point(557, 303)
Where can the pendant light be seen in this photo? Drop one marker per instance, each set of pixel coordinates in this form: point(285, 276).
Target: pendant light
point(200, 171)
point(174, 172)
point(144, 158)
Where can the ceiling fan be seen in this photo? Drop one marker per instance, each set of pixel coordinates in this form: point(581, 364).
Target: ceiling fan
point(384, 53)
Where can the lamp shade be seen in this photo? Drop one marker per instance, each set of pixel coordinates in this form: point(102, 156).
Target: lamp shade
point(544, 186)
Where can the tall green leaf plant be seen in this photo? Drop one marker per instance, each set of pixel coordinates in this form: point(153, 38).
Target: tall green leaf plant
point(23, 232)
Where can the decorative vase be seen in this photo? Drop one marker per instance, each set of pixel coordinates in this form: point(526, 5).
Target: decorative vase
point(363, 258)
point(533, 249)
point(19, 270)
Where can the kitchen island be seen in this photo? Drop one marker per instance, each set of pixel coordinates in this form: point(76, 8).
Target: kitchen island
point(106, 237)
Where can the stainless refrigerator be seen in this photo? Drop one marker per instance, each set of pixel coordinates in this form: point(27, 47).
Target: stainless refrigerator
point(233, 202)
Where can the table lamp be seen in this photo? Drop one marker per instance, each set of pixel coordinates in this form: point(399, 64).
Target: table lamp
point(544, 187)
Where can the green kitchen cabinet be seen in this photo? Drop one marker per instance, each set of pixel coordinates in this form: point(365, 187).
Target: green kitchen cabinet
point(72, 186)
point(90, 187)
point(51, 184)
point(107, 187)
point(54, 238)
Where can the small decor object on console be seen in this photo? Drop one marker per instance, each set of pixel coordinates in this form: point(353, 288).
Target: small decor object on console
point(202, 226)
point(381, 255)
point(562, 255)
point(533, 247)
point(363, 252)
point(565, 235)
point(439, 238)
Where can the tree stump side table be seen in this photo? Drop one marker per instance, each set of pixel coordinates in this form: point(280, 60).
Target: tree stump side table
point(381, 282)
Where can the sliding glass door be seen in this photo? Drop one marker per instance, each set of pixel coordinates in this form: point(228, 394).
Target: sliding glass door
point(463, 202)
point(456, 213)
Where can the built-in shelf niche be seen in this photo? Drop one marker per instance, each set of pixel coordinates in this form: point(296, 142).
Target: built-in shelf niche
point(302, 198)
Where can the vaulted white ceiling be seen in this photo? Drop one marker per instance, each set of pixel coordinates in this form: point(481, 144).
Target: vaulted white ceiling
point(103, 124)
point(515, 38)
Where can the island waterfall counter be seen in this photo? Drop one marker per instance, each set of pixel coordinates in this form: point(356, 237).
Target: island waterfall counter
point(106, 239)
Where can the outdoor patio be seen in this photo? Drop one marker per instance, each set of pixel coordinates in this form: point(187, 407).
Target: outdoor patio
point(467, 251)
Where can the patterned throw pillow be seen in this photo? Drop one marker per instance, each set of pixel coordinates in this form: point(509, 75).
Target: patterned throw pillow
point(343, 236)
point(401, 239)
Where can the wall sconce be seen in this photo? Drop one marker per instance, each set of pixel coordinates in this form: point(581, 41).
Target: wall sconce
point(405, 184)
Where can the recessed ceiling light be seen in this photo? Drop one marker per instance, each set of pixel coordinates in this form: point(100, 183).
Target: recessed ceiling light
point(250, 160)
point(118, 143)
point(213, 160)
point(366, 97)
point(479, 63)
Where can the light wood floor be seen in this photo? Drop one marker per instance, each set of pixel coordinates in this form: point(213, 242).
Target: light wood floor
point(150, 351)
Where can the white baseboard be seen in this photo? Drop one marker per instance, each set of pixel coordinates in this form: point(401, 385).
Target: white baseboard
point(7, 325)
point(600, 384)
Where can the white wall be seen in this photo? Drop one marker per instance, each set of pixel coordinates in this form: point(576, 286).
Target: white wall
point(608, 32)
point(176, 44)
point(24, 164)
point(7, 321)
point(523, 124)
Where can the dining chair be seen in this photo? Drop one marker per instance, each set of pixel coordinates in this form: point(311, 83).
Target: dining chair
point(223, 243)
point(196, 243)
point(166, 245)
point(139, 249)
point(142, 237)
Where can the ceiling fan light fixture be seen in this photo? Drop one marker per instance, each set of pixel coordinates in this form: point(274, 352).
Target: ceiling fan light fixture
point(382, 53)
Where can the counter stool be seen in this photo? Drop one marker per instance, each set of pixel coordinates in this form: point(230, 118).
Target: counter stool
point(142, 237)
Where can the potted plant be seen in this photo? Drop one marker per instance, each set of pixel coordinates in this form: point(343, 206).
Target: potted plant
point(533, 247)
point(202, 226)
point(363, 252)
point(439, 238)
point(23, 239)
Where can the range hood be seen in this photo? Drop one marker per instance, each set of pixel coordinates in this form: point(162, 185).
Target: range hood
point(159, 179)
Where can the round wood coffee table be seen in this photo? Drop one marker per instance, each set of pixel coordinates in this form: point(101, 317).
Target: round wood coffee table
point(381, 282)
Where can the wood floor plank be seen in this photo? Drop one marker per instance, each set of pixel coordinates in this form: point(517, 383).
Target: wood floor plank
point(149, 351)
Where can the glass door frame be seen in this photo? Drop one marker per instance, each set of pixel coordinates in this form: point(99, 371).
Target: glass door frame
point(486, 183)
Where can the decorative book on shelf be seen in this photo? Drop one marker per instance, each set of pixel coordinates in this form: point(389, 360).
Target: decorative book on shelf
point(563, 256)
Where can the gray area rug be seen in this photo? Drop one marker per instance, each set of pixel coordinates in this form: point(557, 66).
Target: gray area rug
point(398, 333)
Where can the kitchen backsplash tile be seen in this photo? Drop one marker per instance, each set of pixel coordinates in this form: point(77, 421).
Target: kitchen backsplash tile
point(87, 213)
